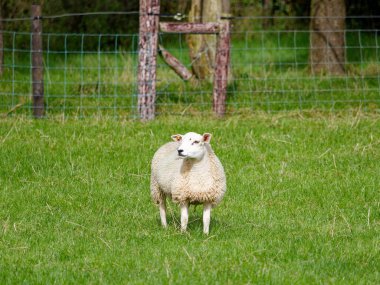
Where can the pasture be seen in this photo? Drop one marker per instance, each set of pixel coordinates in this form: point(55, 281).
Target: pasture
point(302, 204)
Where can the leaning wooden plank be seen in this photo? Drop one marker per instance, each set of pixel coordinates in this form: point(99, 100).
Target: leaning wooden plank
point(190, 28)
point(175, 64)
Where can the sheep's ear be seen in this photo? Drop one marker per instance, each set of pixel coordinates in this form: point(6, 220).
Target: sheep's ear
point(206, 137)
point(176, 138)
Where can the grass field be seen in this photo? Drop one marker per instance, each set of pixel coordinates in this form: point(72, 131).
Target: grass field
point(302, 205)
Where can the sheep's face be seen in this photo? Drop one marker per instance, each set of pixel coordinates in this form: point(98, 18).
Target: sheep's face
point(192, 145)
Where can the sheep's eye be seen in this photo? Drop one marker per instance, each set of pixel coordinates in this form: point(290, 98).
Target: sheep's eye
point(196, 142)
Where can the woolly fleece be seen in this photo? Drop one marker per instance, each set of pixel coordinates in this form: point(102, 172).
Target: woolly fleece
point(187, 180)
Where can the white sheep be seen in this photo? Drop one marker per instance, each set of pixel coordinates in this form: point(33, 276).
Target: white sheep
point(188, 171)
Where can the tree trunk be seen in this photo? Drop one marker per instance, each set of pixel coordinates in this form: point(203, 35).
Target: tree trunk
point(202, 47)
point(182, 6)
point(267, 13)
point(327, 50)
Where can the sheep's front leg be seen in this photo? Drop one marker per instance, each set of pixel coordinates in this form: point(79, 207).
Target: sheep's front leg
point(206, 217)
point(163, 212)
point(184, 216)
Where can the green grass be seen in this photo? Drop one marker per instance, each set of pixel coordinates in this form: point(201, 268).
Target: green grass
point(302, 205)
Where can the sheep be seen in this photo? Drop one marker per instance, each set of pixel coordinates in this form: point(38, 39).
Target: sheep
point(187, 171)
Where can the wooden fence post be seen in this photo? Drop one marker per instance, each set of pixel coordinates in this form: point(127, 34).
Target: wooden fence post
point(1, 44)
point(222, 63)
point(37, 63)
point(148, 39)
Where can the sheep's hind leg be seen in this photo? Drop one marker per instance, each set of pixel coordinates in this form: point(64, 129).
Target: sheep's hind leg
point(163, 212)
point(159, 198)
point(206, 217)
point(184, 216)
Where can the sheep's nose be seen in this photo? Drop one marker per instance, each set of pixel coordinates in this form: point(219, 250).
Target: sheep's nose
point(180, 151)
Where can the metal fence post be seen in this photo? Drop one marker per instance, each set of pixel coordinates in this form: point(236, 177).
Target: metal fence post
point(37, 63)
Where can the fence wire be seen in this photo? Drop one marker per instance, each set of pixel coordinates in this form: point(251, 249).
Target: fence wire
point(96, 74)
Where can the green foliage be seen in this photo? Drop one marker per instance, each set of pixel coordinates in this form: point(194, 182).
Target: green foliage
point(302, 205)
point(129, 24)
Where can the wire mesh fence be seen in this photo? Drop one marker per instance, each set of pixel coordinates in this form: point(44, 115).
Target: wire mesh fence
point(77, 81)
point(96, 74)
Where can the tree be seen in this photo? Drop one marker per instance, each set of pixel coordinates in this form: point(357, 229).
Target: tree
point(327, 25)
point(202, 47)
point(267, 13)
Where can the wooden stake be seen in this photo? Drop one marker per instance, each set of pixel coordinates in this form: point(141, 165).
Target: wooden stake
point(148, 37)
point(1, 45)
point(222, 63)
point(37, 63)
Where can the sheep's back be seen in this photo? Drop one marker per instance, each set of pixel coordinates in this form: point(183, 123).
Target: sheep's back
point(166, 165)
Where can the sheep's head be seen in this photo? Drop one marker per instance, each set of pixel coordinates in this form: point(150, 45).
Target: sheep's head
point(192, 145)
